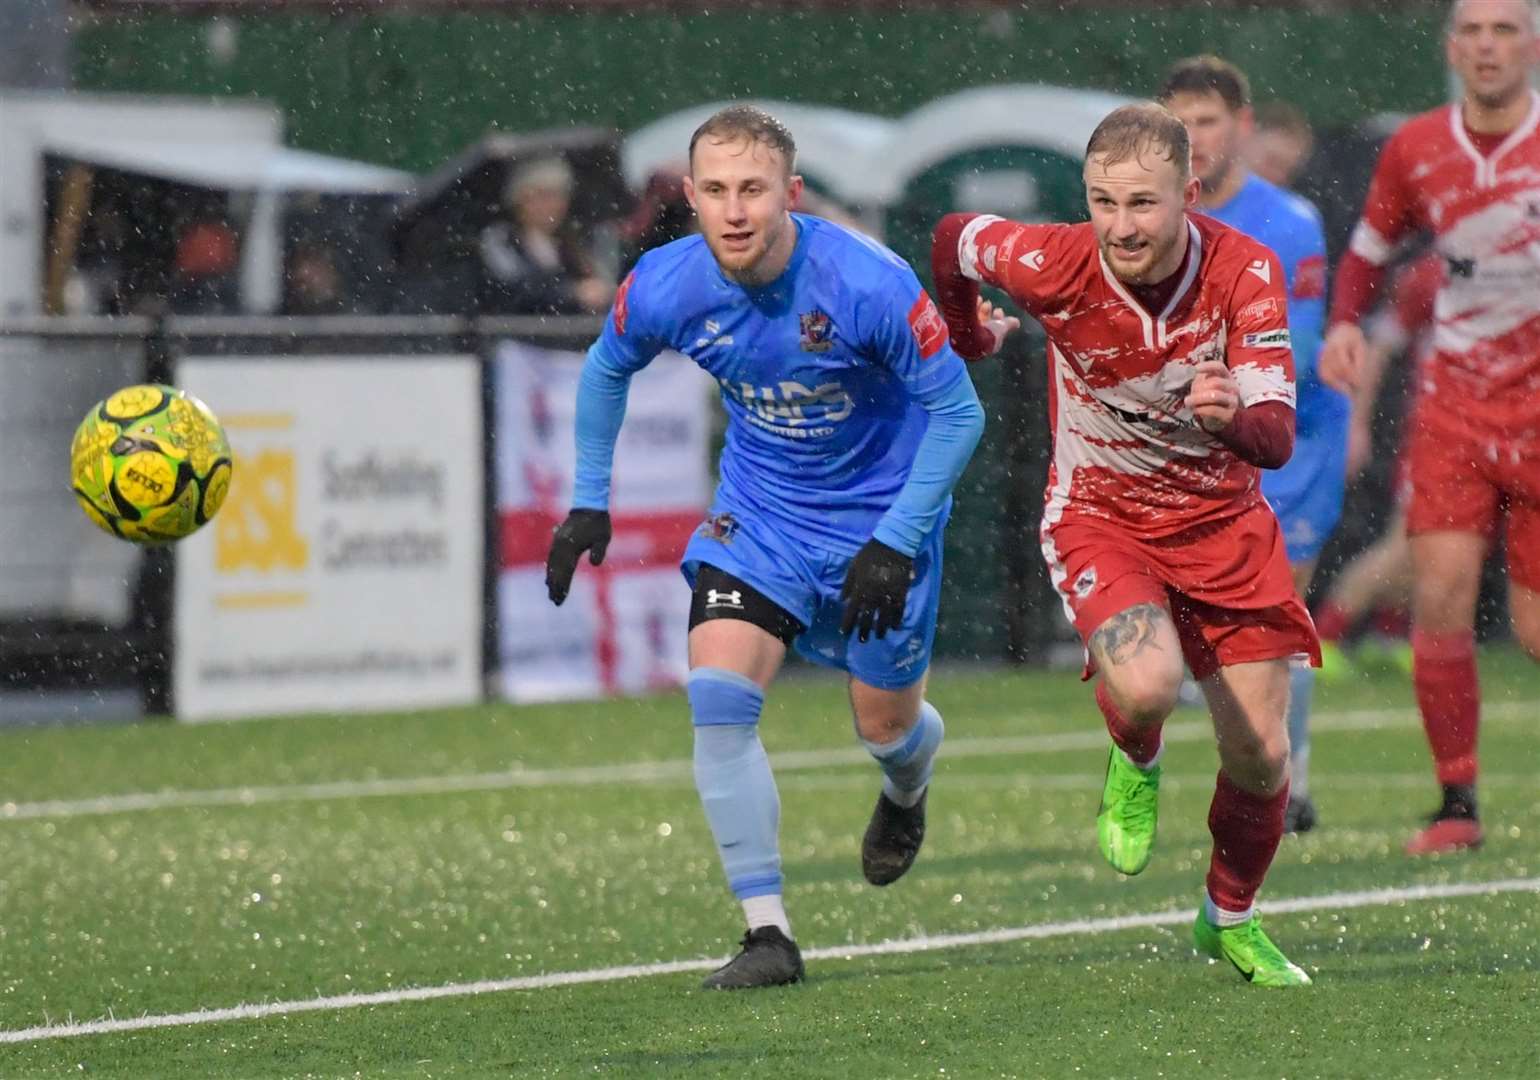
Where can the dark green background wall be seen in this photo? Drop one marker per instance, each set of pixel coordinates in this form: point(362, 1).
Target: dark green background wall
point(411, 90)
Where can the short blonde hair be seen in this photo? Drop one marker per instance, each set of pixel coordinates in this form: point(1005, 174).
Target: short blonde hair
point(1128, 131)
point(751, 123)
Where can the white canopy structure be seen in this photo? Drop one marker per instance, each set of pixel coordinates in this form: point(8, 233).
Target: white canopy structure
point(229, 165)
point(1049, 117)
point(218, 145)
point(868, 161)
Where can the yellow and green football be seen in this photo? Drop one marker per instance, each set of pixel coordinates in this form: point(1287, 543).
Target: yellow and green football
point(151, 464)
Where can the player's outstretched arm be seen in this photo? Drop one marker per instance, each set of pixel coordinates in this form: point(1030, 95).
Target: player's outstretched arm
point(911, 342)
point(584, 530)
point(1387, 218)
point(977, 327)
point(601, 408)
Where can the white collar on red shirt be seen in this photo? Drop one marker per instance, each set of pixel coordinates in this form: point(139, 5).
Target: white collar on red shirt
point(1155, 329)
point(1486, 166)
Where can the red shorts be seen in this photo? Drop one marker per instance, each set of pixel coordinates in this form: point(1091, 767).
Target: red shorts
point(1466, 480)
point(1228, 587)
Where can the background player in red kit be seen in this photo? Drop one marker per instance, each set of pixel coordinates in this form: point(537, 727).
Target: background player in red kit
point(1171, 383)
point(1376, 584)
point(1470, 174)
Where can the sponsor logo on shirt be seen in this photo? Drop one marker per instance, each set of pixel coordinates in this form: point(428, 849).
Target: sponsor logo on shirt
point(1264, 310)
point(620, 303)
point(1032, 260)
point(1460, 268)
point(787, 408)
point(718, 527)
point(1267, 339)
point(1262, 269)
point(719, 599)
point(1310, 278)
point(929, 327)
point(817, 331)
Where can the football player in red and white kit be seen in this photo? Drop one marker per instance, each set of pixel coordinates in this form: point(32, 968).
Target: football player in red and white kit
point(1377, 581)
point(1470, 174)
point(1171, 383)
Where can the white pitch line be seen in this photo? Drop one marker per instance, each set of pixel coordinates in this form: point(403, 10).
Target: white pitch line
point(1333, 901)
point(678, 769)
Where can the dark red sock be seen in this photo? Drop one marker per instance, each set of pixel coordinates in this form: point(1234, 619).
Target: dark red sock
point(1141, 744)
point(1332, 622)
point(1444, 673)
point(1246, 830)
point(1392, 622)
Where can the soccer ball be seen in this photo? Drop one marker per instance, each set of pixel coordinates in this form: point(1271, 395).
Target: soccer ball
point(150, 464)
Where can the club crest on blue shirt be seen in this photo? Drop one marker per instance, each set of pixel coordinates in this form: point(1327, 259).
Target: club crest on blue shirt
point(718, 527)
point(817, 331)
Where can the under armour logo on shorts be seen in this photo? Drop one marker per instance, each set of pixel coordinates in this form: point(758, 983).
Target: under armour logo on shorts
point(732, 599)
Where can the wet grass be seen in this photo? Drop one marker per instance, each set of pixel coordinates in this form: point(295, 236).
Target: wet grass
point(308, 892)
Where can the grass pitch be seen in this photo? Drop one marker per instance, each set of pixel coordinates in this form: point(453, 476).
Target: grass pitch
point(158, 871)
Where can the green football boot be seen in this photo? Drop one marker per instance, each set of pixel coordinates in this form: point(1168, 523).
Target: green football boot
point(1250, 950)
point(1125, 824)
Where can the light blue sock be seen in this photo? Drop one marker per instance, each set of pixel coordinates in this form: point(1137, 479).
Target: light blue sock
point(732, 774)
point(907, 762)
point(1301, 684)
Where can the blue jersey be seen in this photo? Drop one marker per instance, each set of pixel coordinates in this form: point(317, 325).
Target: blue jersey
point(825, 374)
point(1291, 226)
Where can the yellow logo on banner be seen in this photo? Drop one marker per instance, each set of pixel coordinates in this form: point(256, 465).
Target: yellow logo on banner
point(258, 529)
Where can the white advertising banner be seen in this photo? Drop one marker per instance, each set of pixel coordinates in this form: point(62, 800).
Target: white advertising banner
point(622, 628)
point(344, 572)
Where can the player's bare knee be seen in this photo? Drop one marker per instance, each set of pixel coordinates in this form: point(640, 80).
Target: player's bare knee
point(1145, 695)
point(883, 725)
point(882, 716)
point(1256, 762)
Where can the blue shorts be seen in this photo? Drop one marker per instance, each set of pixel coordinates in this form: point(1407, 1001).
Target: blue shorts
point(1307, 492)
point(806, 582)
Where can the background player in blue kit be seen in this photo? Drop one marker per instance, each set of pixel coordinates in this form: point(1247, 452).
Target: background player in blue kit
point(1213, 99)
point(850, 419)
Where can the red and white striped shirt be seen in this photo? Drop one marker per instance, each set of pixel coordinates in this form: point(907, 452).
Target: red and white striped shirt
point(1480, 198)
point(1127, 451)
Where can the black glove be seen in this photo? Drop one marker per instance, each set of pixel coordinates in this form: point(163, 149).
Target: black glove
point(584, 530)
point(876, 587)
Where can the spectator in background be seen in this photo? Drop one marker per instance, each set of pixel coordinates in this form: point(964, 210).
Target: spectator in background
point(1281, 143)
point(313, 281)
point(1376, 585)
point(531, 261)
point(203, 270)
point(662, 215)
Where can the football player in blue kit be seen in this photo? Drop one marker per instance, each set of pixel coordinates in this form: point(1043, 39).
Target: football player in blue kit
point(1213, 98)
point(850, 419)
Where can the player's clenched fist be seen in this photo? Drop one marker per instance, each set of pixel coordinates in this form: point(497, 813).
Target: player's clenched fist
point(584, 530)
point(1342, 357)
point(1214, 397)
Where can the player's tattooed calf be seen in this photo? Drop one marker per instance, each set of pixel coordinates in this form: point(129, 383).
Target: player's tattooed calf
point(1126, 634)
